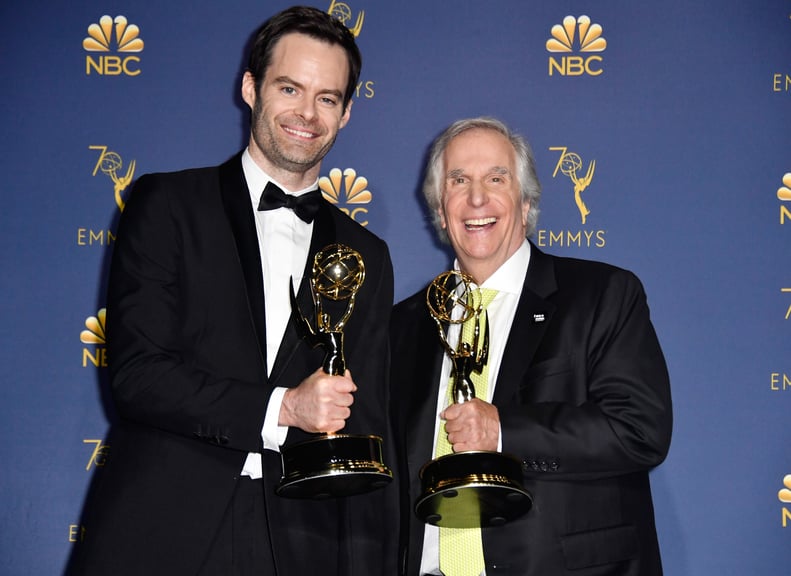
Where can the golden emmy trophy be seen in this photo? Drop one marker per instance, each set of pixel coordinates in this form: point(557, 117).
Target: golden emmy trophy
point(332, 465)
point(474, 488)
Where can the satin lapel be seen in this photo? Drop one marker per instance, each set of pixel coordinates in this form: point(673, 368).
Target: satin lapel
point(324, 233)
point(533, 316)
point(238, 209)
point(421, 404)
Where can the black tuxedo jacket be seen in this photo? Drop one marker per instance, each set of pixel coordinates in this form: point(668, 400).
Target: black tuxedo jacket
point(584, 402)
point(187, 352)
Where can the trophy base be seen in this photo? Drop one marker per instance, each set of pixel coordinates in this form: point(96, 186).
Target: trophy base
point(333, 466)
point(470, 489)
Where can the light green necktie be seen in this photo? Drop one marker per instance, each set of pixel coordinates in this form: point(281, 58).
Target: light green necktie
point(461, 549)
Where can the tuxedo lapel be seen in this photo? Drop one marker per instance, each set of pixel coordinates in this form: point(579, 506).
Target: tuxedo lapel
point(533, 316)
point(324, 233)
point(238, 209)
point(422, 400)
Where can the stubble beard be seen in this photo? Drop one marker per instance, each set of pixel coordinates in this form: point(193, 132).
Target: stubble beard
point(278, 154)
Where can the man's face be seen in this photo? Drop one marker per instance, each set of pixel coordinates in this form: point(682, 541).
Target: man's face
point(298, 111)
point(481, 207)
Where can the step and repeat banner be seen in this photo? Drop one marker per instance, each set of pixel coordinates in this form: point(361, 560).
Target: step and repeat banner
point(662, 132)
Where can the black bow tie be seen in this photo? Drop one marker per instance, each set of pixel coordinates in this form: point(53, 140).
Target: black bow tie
point(305, 206)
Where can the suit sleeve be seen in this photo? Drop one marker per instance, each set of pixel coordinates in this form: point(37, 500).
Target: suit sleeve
point(173, 321)
point(596, 400)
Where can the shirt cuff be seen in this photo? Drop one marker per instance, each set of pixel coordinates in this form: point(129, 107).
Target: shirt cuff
point(273, 434)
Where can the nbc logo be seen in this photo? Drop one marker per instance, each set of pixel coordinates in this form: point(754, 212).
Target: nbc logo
point(94, 334)
point(589, 38)
point(112, 33)
point(784, 495)
point(355, 187)
point(784, 194)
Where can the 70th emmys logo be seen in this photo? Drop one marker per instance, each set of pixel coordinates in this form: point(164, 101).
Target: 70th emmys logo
point(781, 81)
point(112, 33)
point(94, 334)
point(570, 164)
point(110, 163)
point(342, 12)
point(563, 40)
point(356, 191)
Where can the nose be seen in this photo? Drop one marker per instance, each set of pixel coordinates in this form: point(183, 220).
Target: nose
point(478, 195)
point(306, 108)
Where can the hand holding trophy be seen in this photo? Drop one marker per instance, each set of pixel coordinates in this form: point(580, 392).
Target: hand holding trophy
point(332, 465)
point(473, 488)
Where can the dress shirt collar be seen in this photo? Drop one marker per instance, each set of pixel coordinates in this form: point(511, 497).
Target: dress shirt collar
point(510, 276)
point(257, 180)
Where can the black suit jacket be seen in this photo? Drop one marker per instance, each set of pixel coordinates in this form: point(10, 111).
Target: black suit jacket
point(187, 347)
point(584, 402)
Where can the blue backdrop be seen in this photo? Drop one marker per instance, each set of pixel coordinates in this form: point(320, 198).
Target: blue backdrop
point(672, 120)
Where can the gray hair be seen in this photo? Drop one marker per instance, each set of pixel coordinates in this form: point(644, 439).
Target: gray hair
point(527, 178)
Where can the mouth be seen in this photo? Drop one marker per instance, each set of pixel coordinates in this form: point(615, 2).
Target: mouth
point(299, 133)
point(480, 223)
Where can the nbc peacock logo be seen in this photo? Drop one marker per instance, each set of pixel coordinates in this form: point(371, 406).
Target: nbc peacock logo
point(108, 35)
point(784, 195)
point(587, 37)
point(94, 334)
point(347, 190)
point(784, 495)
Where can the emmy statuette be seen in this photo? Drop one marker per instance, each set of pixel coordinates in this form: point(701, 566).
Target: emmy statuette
point(475, 488)
point(332, 465)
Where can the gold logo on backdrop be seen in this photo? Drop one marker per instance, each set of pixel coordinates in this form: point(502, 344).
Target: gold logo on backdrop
point(788, 312)
point(98, 455)
point(784, 495)
point(579, 32)
point(570, 164)
point(784, 194)
point(352, 187)
point(342, 12)
point(108, 35)
point(94, 333)
point(781, 81)
point(111, 164)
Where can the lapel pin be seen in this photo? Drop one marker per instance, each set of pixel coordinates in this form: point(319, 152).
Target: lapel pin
point(538, 318)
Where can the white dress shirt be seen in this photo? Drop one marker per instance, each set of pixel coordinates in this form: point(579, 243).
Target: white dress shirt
point(283, 255)
point(508, 281)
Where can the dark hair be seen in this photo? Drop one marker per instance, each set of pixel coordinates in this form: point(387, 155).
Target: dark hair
point(311, 22)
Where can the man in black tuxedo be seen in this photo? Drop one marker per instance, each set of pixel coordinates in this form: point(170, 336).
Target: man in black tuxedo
point(578, 389)
point(210, 377)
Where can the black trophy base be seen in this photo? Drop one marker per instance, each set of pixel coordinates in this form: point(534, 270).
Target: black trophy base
point(333, 466)
point(469, 489)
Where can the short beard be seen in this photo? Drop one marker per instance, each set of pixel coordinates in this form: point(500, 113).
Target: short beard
point(266, 142)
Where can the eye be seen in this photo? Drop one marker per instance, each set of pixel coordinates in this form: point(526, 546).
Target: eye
point(498, 179)
point(288, 90)
point(329, 100)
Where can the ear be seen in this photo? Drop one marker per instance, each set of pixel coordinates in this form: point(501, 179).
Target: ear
point(248, 89)
point(346, 115)
point(442, 222)
point(525, 212)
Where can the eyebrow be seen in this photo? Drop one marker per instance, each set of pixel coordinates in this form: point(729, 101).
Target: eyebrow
point(493, 170)
point(289, 80)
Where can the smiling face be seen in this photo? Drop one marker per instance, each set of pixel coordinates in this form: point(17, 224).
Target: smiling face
point(481, 207)
point(299, 110)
